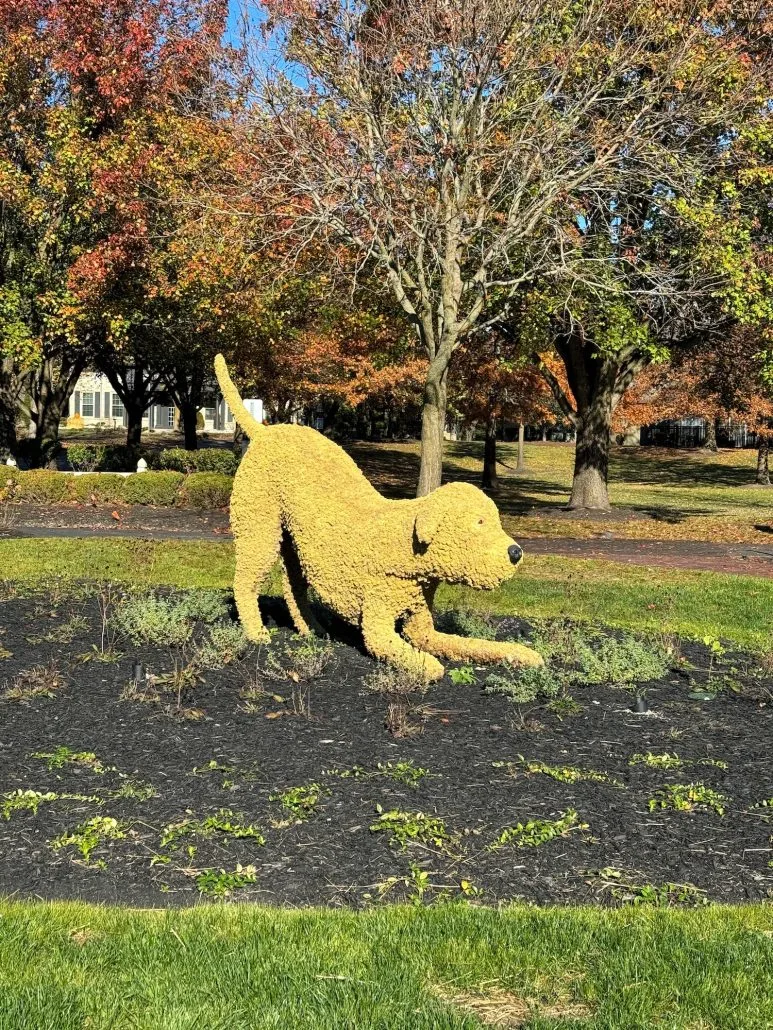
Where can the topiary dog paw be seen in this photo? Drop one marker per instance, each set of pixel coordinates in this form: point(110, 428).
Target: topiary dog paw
point(519, 654)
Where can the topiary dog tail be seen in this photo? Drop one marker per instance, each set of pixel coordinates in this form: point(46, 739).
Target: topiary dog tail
point(249, 424)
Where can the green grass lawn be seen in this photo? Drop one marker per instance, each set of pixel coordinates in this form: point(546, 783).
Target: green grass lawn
point(68, 966)
point(690, 604)
point(684, 494)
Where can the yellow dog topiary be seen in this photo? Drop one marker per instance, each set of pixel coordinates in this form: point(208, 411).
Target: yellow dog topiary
point(375, 562)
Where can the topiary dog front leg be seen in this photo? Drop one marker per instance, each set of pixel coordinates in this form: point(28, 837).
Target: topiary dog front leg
point(383, 642)
point(420, 630)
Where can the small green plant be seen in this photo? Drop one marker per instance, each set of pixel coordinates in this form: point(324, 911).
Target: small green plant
point(136, 790)
point(40, 681)
point(466, 623)
point(523, 685)
point(462, 677)
point(625, 889)
point(64, 634)
point(232, 775)
point(219, 883)
point(225, 643)
point(564, 707)
point(672, 761)
point(90, 835)
point(302, 801)
point(562, 773)
point(31, 800)
point(309, 659)
point(406, 828)
point(589, 656)
point(62, 756)
point(536, 832)
point(150, 618)
point(418, 885)
point(687, 797)
point(224, 823)
point(403, 772)
point(394, 681)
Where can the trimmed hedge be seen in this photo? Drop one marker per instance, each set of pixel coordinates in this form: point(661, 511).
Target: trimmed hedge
point(160, 488)
point(39, 486)
point(209, 459)
point(164, 488)
point(207, 490)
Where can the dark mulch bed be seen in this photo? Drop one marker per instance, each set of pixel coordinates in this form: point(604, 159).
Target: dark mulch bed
point(333, 858)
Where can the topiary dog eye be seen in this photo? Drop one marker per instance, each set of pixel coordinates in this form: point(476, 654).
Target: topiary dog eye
point(480, 522)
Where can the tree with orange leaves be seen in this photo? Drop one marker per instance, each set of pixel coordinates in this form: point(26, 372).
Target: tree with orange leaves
point(494, 382)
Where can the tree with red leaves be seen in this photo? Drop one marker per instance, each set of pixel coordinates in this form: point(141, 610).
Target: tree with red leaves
point(85, 88)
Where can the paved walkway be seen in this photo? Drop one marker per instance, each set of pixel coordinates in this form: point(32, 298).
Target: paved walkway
point(744, 559)
point(181, 524)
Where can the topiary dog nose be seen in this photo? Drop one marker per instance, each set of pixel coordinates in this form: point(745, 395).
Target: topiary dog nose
point(516, 553)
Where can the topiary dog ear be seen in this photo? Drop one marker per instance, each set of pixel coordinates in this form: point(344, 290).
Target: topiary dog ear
point(425, 527)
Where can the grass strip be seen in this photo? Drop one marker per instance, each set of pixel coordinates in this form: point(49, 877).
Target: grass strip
point(70, 965)
point(690, 604)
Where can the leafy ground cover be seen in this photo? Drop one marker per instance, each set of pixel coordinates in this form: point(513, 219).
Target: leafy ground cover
point(444, 968)
point(690, 604)
point(301, 774)
point(658, 493)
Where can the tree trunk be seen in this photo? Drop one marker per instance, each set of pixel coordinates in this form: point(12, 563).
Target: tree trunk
point(490, 478)
point(544, 434)
point(53, 397)
point(433, 421)
point(593, 380)
point(8, 401)
point(763, 468)
point(189, 414)
point(521, 466)
point(591, 459)
point(710, 443)
point(134, 415)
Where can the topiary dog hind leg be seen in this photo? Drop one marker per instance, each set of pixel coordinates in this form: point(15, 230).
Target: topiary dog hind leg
point(420, 630)
point(256, 554)
point(296, 591)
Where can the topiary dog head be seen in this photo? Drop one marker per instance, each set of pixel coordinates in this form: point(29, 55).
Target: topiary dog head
point(459, 538)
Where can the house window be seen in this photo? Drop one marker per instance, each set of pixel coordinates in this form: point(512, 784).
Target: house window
point(87, 404)
point(118, 408)
point(170, 418)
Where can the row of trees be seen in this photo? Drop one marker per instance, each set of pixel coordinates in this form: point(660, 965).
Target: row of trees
point(506, 207)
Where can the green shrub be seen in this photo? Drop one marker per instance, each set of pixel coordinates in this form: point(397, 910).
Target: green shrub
point(104, 487)
point(39, 486)
point(151, 619)
point(208, 606)
point(465, 623)
point(210, 459)
point(152, 488)
point(103, 457)
point(85, 458)
point(588, 656)
point(524, 685)
point(207, 490)
point(122, 458)
point(225, 644)
point(9, 481)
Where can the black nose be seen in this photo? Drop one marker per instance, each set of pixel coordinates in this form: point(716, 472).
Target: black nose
point(516, 553)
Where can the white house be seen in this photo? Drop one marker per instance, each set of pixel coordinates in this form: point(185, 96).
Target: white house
point(98, 405)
